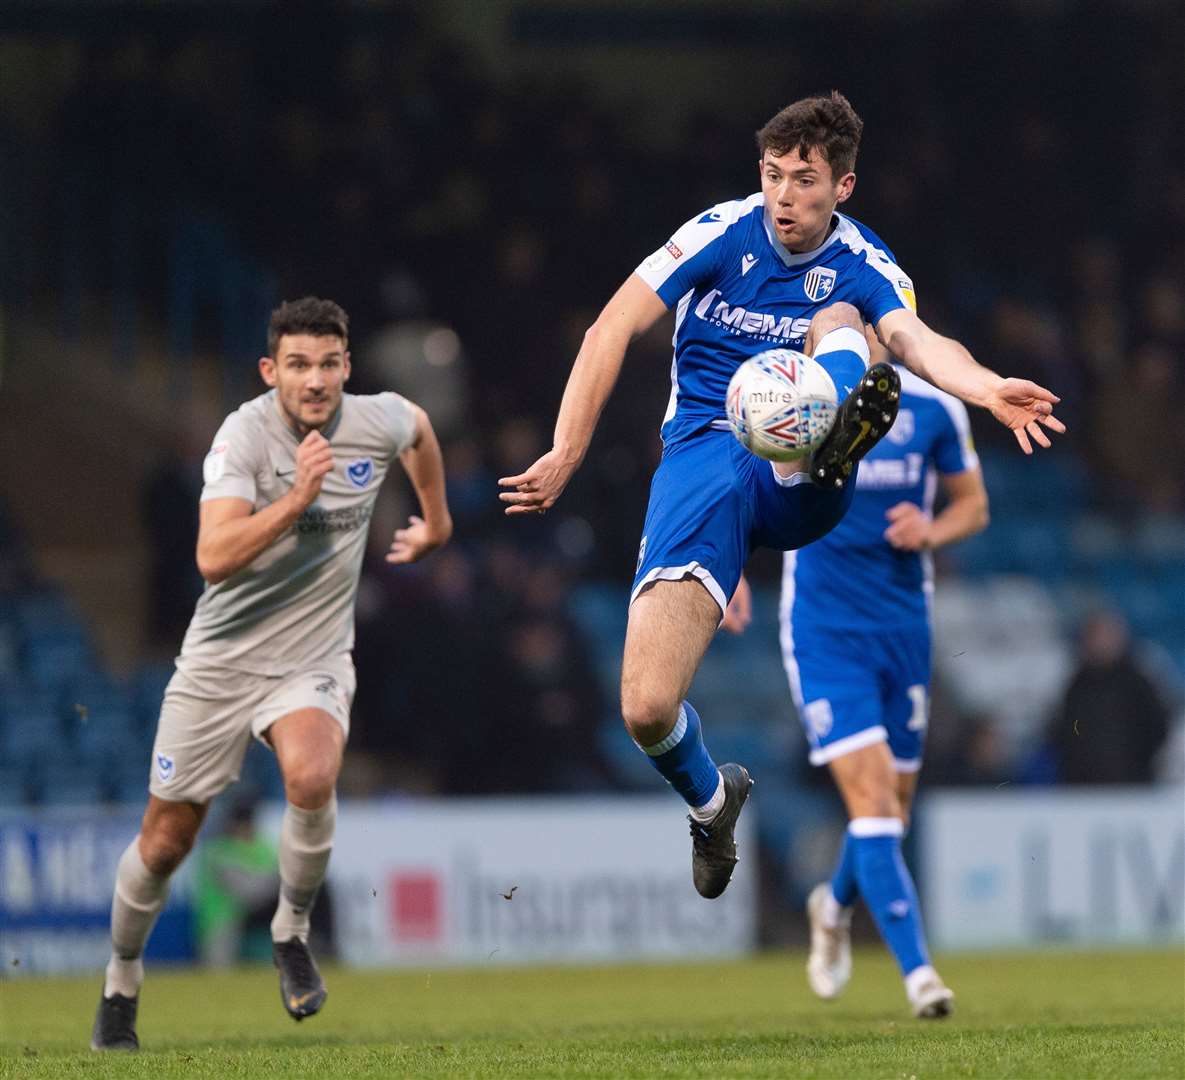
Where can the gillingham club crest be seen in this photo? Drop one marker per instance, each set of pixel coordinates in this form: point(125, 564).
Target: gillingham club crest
point(818, 283)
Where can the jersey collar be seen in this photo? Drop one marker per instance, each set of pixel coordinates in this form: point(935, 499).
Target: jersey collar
point(791, 258)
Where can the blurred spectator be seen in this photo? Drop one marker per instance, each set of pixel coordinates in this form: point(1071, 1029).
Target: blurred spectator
point(981, 755)
point(549, 689)
point(169, 506)
point(1115, 715)
point(235, 890)
point(1137, 425)
point(419, 357)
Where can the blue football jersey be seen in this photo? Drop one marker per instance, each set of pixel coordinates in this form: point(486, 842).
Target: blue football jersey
point(853, 577)
point(738, 291)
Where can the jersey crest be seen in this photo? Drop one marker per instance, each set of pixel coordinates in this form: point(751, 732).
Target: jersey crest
point(818, 283)
point(360, 471)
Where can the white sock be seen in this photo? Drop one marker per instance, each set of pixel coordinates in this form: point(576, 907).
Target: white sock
point(846, 339)
point(834, 915)
point(915, 979)
point(123, 977)
point(706, 814)
point(139, 896)
point(306, 840)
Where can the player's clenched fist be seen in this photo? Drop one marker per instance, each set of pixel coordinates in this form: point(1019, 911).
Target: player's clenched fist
point(314, 459)
point(909, 527)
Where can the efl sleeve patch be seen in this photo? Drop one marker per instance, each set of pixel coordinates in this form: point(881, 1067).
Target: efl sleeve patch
point(905, 288)
point(688, 258)
point(230, 466)
point(214, 467)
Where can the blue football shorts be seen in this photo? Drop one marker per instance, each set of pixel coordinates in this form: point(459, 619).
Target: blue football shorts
point(712, 502)
point(853, 689)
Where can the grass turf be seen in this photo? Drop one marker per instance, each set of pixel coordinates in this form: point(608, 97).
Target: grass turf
point(1042, 1015)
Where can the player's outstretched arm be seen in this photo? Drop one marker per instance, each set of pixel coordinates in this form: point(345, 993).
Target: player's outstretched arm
point(424, 465)
point(230, 536)
point(1022, 406)
point(634, 309)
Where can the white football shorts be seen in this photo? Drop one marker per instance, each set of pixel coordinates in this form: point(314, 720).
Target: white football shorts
point(209, 715)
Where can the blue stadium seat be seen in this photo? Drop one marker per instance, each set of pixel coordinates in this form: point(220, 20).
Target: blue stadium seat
point(30, 736)
point(9, 648)
point(628, 763)
point(126, 781)
point(261, 771)
point(13, 785)
point(148, 690)
point(69, 785)
point(55, 660)
point(44, 611)
point(111, 733)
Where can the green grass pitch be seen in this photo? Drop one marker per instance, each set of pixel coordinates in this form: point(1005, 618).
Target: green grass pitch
point(1054, 1014)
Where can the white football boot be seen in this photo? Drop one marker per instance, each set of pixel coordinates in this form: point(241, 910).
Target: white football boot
point(829, 966)
point(929, 997)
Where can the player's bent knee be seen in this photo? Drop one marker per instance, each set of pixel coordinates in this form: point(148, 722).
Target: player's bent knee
point(832, 317)
point(648, 717)
point(310, 785)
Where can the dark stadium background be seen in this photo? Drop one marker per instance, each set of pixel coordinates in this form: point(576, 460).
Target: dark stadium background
point(471, 181)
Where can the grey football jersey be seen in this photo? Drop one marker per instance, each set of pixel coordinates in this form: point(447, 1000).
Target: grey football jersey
point(294, 604)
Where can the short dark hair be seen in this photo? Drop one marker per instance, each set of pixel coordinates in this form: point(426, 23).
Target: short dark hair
point(828, 124)
point(308, 315)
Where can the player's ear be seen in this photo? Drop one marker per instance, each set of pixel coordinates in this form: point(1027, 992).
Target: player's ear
point(267, 370)
point(346, 367)
point(843, 190)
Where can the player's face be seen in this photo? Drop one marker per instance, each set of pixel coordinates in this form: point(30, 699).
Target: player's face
point(308, 373)
point(800, 196)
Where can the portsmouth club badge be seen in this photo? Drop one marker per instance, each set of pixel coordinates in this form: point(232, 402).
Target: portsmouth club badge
point(818, 283)
point(360, 470)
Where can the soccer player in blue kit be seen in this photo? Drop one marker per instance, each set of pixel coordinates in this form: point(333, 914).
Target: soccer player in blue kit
point(779, 268)
point(859, 671)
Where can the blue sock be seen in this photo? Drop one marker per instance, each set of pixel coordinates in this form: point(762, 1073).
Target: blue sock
point(843, 881)
point(684, 760)
point(843, 354)
point(888, 889)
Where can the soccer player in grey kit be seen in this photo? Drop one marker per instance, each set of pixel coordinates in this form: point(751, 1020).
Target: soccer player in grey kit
point(290, 485)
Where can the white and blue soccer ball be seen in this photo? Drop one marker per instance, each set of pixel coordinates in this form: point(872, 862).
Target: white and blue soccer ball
point(781, 404)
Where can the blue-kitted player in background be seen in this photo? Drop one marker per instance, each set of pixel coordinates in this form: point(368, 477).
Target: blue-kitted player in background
point(780, 268)
point(855, 631)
